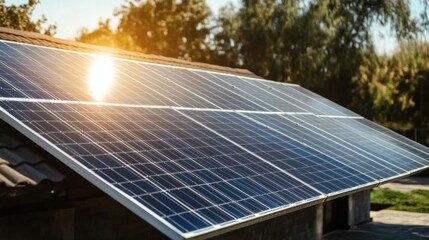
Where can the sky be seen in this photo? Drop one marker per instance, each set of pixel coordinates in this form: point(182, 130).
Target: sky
point(71, 16)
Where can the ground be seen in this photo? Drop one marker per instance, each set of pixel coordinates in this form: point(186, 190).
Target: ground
point(408, 184)
point(389, 224)
point(386, 225)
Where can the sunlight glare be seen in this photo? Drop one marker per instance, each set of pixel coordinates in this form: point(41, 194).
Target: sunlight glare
point(101, 77)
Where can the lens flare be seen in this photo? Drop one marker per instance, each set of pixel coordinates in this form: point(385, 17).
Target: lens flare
point(101, 76)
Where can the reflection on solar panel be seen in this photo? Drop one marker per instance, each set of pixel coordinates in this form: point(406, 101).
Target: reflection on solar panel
point(245, 89)
point(195, 153)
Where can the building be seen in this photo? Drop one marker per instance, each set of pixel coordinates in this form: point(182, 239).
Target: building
point(42, 196)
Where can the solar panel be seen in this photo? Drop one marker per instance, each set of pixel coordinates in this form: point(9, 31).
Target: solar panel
point(194, 153)
point(180, 170)
point(306, 100)
point(245, 90)
point(320, 102)
point(371, 144)
point(407, 148)
point(320, 171)
point(416, 148)
point(338, 149)
point(29, 72)
point(199, 86)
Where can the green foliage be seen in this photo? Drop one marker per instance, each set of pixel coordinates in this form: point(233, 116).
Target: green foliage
point(224, 40)
point(414, 201)
point(19, 17)
point(393, 89)
point(164, 27)
point(318, 44)
point(103, 35)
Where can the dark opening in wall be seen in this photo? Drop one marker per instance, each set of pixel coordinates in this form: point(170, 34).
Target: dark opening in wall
point(335, 215)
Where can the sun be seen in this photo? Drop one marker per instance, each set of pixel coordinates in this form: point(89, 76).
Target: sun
point(101, 76)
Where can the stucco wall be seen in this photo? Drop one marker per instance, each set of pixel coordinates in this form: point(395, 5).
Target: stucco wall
point(100, 218)
point(359, 207)
point(103, 218)
point(302, 224)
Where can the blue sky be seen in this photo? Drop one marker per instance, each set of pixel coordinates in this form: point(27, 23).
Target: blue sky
point(72, 16)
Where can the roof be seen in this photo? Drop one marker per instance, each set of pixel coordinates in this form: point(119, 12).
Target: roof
point(47, 41)
point(22, 163)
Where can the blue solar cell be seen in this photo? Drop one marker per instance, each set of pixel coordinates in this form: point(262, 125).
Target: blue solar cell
point(397, 148)
point(339, 150)
point(397, 139)
point(306, 100)
point(199, 181)
point(245, 89)
point(200, 87)
point(319, 102)
point(319, 170)
point(34, 72)
point(368, 143)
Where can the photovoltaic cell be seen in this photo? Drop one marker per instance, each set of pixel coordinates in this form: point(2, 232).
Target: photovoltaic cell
point(320, 171)
point(410, 145)
point(300, 97)
point(329, 146)
point(42, 73)
point(181, 171)
point(413, 151)
point(319, 102)
point(147, 78)
point(32, 72)
point(199, 86)
point(240, 88)
point(53, 79)
point(371, 144)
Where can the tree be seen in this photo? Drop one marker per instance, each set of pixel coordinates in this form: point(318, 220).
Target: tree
point(224, 38)
point(318, 44)
point(19, 17)
point(393, 89)
point(103, 35)
point(164, 27)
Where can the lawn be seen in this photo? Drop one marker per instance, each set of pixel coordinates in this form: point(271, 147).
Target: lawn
point(414, 201)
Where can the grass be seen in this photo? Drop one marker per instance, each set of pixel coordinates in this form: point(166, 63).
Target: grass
point(414, 201)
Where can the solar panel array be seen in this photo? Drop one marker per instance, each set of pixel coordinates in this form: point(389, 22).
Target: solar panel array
point(194, 152)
